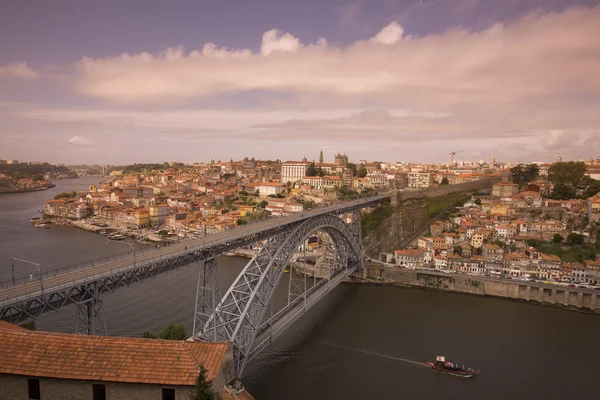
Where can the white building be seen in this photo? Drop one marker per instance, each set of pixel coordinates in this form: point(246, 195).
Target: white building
point(270, 188)
point(419, 180)
point(292, 171)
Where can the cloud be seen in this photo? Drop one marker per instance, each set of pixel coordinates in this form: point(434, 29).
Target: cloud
point(504, 63)
point(275, 40)
point(18, 70)
point(79, 141)
point(390, 34)
point(524, 86)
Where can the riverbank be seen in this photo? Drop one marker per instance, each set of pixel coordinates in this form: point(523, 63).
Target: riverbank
point(27, 190)
point(569, 298)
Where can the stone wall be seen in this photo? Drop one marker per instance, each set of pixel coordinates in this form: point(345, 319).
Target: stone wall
point(562, 296)
point(487, 183)
point(14, 387)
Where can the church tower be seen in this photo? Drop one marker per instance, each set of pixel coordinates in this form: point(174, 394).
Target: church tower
point(321, 157)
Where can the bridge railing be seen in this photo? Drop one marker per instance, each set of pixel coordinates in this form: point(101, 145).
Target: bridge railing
point(189, 245)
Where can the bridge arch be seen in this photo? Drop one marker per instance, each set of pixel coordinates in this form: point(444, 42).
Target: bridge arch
point(239, 316)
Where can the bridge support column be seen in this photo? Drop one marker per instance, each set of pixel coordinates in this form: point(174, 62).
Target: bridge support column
point(90, 320)
point(207, 297)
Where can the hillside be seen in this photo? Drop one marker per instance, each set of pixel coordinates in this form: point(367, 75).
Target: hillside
point(387, 228)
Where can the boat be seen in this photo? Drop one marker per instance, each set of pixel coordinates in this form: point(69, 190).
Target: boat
point(35, 219)
point(440, 364)
point(42, 225)
point(116, 236)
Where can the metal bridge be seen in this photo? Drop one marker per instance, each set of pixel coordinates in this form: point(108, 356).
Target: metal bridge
point(244, 315)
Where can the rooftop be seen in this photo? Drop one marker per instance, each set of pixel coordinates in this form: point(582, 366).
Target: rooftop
point(106, 358)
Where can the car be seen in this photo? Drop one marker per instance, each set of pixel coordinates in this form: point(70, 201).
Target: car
point(571, 285)
point(597, 288)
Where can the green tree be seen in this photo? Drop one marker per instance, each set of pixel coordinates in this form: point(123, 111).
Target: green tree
point(562, 191)
point(593, 187)
point(30, 325)
point(262, 204)
point(478, 201)
point(445, 181)
point(171, 332)
point(203, 390)
point(575, 238)
point(532, 172)
point(557, 238)
point(362, 172)
point(66, 195)
point(311, 170)
point(568, 173)
point(352, 168)
point(524, 173)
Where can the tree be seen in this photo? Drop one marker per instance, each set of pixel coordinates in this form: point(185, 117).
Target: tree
point(149, 335)
point(311, 170)
point(575, 238)
point(262, 204)
point(562, 191)
point(593, 187)
point(568, 173)
point(362, 172)
point(202, 390)
point(477, 201)
point(171, 332)
point(524, 173)
point(557, 238)
point(352, 168)
point(445, 181)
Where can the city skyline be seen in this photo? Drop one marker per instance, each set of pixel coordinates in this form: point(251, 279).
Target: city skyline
point(385, 80)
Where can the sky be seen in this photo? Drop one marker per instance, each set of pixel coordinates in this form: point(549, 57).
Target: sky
point(118, 82)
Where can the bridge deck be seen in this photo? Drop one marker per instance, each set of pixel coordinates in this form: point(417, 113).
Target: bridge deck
point(55, 281)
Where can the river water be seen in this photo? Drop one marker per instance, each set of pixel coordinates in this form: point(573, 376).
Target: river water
point(360, 342)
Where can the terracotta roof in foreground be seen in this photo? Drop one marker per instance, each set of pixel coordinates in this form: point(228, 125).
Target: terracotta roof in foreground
point(106, 358)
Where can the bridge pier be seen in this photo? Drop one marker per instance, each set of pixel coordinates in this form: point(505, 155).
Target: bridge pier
point(89, 318)
point(207, 298)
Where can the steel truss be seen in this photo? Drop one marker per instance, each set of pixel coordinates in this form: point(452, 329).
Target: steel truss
point(240, 315)
point(207, 297)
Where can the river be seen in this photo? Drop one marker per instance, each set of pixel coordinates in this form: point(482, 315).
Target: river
point(360, 342)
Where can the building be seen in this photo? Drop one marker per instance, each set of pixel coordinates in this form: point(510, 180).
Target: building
point(270, 188)
point(410, 258)
point(493, 252)
point(293, 171)
point(505, 189)
point(594, 208)
point(45, 365)
point(341, 160)
point(419, 180)
point(158, 214)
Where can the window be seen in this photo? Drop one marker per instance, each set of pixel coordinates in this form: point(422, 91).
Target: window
point(98, 392)
point(168, 394)
point(34, 389)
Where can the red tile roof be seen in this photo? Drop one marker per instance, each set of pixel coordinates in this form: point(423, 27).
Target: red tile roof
point(106, 358)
